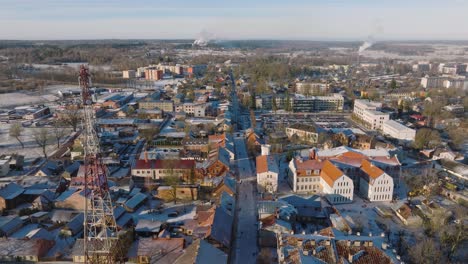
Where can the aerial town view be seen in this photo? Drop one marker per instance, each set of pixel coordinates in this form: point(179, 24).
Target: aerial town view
point(240, 132)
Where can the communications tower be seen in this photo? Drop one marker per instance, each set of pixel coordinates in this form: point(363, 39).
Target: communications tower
point(100, 230)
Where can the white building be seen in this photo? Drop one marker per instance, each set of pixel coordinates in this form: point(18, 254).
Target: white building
point(338, 187)
point(196, 110)
point(375, 184)
point(267, 173)
point(321, 176)
point(304, 132)
point(398, 131)
point(4, 167)
point(367, 111)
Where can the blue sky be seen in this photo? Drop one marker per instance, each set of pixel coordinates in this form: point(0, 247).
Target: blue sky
point(234, 19)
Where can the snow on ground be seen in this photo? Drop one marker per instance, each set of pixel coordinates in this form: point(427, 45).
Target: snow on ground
point(361, 213)
point(186, 212)
point(10, 145)
point(17, 99)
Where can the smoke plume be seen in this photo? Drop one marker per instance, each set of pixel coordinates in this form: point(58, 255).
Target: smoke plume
point(203, 38)
point(376, 30)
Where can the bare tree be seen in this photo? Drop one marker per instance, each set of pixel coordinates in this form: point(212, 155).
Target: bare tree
point(425, 251)
point(58, 132)
point(72, 117)
point(15, 131)
point(42, 139)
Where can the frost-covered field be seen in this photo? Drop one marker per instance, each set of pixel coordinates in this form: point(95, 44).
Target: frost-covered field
point(9, 145)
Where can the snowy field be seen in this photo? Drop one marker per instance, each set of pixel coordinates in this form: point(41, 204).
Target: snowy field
point(9, 145)
point(18, 99)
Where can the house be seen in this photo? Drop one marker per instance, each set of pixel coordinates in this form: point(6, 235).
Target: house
point(71, 170)
point(72, 199)
point(10, 224)
point(267, 173)
point(303, 133)
point(44, 201)
point(74, 227)
point(183, 192)
point(147, 227)
point(361, 141)
point(216, 165)
point(10, 196)
point(335, 184)
point(221, 230)
point(159, 169)
point(376, 185)
point(4, 167)
point(160, 250)
point(228, 185)
point(135, 202)
point(305, 175)
point(77, 252)
point(50, 168)
point(39, 217)
point(201, 252)
point(349, 160)
point(24, 250)
point(200, 225)
point(406, 214)
point(307, 208)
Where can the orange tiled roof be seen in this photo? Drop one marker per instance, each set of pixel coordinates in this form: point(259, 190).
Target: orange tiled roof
point(262, 164)
point(370, 169)
point(330, 173)
point(219, 139)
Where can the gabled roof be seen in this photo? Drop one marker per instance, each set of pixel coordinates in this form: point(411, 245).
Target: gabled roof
point(330, 173)
point(11, 191)
point(9, 222)
point(370, 169)
point(76, 224)
point(222, 226)
point(266, 163)
point(307, 165)
point(135, 200)
point(146, 225)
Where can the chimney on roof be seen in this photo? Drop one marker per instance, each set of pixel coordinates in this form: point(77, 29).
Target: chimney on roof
point(312, 154)
point(265, 150)
point(146, 156)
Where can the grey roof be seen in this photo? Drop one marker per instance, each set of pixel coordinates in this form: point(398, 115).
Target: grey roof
point(66, 194)
point(73, 168)
point(11, 191)
point(230, 183)
point(76, 224)
point(136, 200)
point(310, 206)
point(207, 253)
point(118, 211)
point(62, 215)
point(227, 202)
point(299, 201)
point(145, 225)
point(124, 219)
point(120, 121)
point(9, 222)
point(222, 226)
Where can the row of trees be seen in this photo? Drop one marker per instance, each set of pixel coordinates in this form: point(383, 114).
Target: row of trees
point(41, 136)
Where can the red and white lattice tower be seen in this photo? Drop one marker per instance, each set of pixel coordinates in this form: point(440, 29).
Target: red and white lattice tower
point(100, 231)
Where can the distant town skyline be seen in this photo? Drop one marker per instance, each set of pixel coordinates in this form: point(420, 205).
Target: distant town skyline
point(258, 19)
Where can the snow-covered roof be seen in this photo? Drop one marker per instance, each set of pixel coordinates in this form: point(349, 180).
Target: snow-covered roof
point(147, 225)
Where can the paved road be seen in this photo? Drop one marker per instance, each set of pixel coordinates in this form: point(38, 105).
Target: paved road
point(245, 241)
